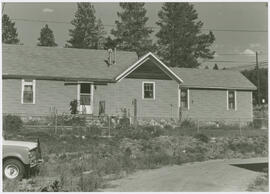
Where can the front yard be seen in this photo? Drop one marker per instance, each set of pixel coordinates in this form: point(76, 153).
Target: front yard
point(88, 162)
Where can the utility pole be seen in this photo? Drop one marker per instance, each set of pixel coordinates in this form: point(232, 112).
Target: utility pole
point(258, 81)
point(3, 7)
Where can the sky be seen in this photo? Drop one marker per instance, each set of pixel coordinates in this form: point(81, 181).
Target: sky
point(233, 48)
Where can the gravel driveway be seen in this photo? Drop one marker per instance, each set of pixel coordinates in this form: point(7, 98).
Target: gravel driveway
point(215, 175)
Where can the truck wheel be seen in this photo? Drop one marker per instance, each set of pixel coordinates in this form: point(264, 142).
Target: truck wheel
point(13, 169)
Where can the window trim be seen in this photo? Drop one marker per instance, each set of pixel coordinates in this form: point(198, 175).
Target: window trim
point(33, 84)
point(179, 98)
point(235, 100)
point(154, 90)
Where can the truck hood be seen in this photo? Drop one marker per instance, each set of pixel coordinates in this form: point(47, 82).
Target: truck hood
point(29, 145)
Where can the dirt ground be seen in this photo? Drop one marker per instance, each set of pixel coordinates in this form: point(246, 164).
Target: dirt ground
point(215, 175)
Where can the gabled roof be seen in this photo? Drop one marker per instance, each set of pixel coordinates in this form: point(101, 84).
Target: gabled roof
point(217, 79)
point(159, 63)
point(55, 63)
point(62, 63)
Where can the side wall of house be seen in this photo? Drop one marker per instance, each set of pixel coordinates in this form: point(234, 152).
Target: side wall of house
point(48, 94)
point(120, 95)
point(204, 104)
point(212, 105)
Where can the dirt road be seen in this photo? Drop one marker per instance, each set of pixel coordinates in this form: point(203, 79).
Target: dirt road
point(216, 175)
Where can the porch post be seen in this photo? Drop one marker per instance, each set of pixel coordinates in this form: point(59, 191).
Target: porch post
point(92, 97)
point(78, 97)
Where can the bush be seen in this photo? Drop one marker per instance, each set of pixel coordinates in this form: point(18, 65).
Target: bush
point(188, 123)
point(124, 122)
point(12, 123)
point(94, 131)
point(201, 137)
point(71, 120)
point(73, 107)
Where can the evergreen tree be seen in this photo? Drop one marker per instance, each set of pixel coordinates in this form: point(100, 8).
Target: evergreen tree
point(131, 32)
point(215, 67)
point(88, 31)
point(263, 77)
point(46, 37)
point(180, 40)
point(100, 34)
point(9, 31)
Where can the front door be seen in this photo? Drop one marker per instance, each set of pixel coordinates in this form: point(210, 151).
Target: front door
point(85, 98)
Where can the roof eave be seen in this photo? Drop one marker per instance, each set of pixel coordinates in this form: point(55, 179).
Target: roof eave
point(219, 88)
point(56, 78)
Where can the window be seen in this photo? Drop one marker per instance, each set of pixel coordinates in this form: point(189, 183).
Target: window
point(231, 100)
point(85, 92)
point(148, 90)
point(184, 98)
point(28, 92)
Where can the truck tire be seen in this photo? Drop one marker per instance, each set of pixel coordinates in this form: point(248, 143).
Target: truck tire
point(13, 169)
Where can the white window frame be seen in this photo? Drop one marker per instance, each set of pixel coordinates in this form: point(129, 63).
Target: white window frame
point(33, 84)
point(154, 90)
point(179, 98)
point(235, 100)
point(79, 94)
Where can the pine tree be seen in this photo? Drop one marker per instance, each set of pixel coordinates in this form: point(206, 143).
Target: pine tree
point(131, 32)
point(215, 67)
point(88, 30)
point(46, 37)
point(9, 31)
point(180, 40)
point(100, 34)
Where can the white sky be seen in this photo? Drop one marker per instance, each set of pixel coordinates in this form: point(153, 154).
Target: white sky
point(218, 15)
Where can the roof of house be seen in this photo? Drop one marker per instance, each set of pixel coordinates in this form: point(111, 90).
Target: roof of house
point(86, 64)
point(206, 78)
point(63, 63)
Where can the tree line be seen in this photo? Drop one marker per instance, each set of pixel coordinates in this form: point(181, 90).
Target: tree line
point(180, 41)
point(263, 79)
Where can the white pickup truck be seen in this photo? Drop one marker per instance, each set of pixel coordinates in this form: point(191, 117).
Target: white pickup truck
point(19, 157)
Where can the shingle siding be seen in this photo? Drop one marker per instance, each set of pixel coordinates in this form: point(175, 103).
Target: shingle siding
point(212, 105)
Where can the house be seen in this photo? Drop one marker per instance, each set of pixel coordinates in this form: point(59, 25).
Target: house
point(38, 78)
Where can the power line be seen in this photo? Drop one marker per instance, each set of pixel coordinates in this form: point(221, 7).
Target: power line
point(240, 54)
point(235, 30)
point(3, 8)
point(230, 61)
point(153, 27)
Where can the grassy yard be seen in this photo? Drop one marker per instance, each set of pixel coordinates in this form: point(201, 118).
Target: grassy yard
point(85, 163)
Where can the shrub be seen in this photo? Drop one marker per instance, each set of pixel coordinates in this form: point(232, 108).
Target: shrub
point(90, 182)
point(201, 137)
point(74, 120)
point(124, 122)
point(12, 123)
point(188, 123)
point(73, 107)
point(94, 131)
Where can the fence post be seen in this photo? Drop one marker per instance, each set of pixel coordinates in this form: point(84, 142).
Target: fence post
point(56, 123)
point(198, 126)
point(109, 126)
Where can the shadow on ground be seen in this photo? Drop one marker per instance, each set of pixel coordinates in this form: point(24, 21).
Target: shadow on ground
point(257, 167)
